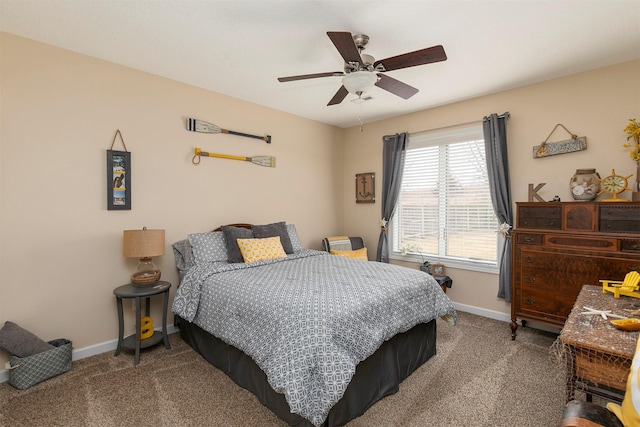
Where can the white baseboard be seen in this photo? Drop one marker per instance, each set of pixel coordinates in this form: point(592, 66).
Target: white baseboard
point(92, 350)
point(111, 345)
point(491, 314)
point(503, 317)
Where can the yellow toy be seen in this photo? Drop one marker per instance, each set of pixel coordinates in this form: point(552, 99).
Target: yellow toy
point(627, 287)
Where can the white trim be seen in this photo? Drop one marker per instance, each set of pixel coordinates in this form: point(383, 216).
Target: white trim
point(111, 345)
point(497, 315)
point(92, 350)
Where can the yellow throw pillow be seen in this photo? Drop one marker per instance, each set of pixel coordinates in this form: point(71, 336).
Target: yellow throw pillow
point(357, 254)
point(254, 250)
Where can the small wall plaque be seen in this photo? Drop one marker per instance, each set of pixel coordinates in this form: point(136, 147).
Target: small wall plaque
point(366, 187)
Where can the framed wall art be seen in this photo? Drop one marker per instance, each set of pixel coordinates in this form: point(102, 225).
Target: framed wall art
point(366, 187)
point(118, 180)
point(437, 270)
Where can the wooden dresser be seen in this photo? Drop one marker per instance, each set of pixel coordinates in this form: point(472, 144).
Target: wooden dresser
point(560, 246)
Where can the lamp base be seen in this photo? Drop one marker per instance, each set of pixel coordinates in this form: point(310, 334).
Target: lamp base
point(146, 275)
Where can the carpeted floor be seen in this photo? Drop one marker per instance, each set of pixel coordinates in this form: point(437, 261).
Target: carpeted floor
point(480, 377)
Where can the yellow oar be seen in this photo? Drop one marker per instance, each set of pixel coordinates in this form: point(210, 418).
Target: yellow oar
point(267, 161)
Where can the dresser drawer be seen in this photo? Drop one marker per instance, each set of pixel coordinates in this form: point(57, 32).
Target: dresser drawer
point(630, 245)
point(582, 242)
point(619, 219)
point(539, 216)
point(529, 239)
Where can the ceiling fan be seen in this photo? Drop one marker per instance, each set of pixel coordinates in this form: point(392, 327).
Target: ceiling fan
point(362, 72)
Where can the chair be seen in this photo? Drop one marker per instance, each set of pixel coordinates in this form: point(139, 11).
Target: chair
point(586, 414)
point(342, 243)
point(627, 287)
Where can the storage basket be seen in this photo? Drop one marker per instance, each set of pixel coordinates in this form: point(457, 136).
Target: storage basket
point(30, 370)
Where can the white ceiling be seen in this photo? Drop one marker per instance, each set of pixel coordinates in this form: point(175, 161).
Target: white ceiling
point(240, 48)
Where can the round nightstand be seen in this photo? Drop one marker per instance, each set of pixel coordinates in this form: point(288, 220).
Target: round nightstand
point(134, 342)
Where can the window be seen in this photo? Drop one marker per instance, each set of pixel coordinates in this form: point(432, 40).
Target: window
point(444, 210)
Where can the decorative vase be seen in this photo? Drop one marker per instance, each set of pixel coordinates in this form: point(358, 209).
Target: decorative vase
point(585, 184)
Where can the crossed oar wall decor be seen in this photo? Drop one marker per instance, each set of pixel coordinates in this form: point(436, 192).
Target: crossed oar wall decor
point(267, 161)
point(196, 125)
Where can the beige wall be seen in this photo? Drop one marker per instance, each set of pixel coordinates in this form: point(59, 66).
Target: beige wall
point(61, 247)
point(596, 104)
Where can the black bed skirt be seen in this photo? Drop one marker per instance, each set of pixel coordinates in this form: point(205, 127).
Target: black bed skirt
point(376, 377)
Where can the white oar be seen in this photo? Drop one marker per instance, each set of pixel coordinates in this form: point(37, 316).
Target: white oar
point(196, 125)
point(267, 161)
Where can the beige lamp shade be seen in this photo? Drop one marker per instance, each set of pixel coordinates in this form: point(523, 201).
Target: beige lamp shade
point(143, 244)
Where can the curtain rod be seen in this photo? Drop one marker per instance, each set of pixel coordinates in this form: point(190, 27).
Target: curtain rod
point(475, 122)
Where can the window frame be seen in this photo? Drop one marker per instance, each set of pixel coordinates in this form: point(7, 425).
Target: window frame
point(437, 138)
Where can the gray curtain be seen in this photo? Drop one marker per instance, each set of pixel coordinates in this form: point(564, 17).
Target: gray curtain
point(393, 154)
point(495, 144)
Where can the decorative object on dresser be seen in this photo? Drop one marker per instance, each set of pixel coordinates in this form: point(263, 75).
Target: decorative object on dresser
point(533, 192)
point(585, 184)
point(144, 244)
point(561, 147)
point(614, 184)
point(366, 187)
point(560, 246)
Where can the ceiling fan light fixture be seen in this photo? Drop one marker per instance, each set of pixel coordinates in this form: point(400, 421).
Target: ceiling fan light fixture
point(359, 82)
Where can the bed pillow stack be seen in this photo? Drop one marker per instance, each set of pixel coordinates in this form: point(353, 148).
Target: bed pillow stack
point(222, 246)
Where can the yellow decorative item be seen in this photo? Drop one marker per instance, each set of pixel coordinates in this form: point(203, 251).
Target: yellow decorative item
point(627, 324)
point(627, 287)
point(357, 254)
point(254, 250)
point(146, 327)
point(628, 412)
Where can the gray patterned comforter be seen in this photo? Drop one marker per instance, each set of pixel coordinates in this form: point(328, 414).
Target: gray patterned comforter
point(309, 319)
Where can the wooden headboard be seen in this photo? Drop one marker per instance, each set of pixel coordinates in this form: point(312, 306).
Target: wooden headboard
point(240, 225)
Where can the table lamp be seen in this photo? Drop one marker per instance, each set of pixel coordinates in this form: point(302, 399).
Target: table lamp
point(143, 244)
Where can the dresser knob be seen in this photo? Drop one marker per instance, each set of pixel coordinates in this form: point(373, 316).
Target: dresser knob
point(529, 279)
point(528, 260)
point(528, 301)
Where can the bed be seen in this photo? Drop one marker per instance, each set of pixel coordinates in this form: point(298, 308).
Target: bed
point(318, 338)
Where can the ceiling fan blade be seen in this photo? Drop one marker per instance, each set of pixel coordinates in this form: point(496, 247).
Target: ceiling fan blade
point(310, 76)
point(340, 95)
point(396, 87)
point(411, 59)
point(346, 46)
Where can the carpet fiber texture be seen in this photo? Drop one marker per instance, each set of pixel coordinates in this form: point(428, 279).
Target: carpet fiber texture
point(480, 377)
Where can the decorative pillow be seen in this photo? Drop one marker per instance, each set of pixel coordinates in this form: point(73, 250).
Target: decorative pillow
point(254, 250)
point(208, 247)
point(20, 342)
point(357, 254)
point(183, 254)
point(296, 245)
point(231, 236)
point(272, 230)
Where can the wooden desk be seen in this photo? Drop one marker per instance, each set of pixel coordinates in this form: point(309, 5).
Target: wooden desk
point(599, 355)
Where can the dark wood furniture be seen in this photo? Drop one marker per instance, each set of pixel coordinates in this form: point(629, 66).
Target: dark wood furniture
point(560, 246)
point(134, 342)
point(599, 354)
